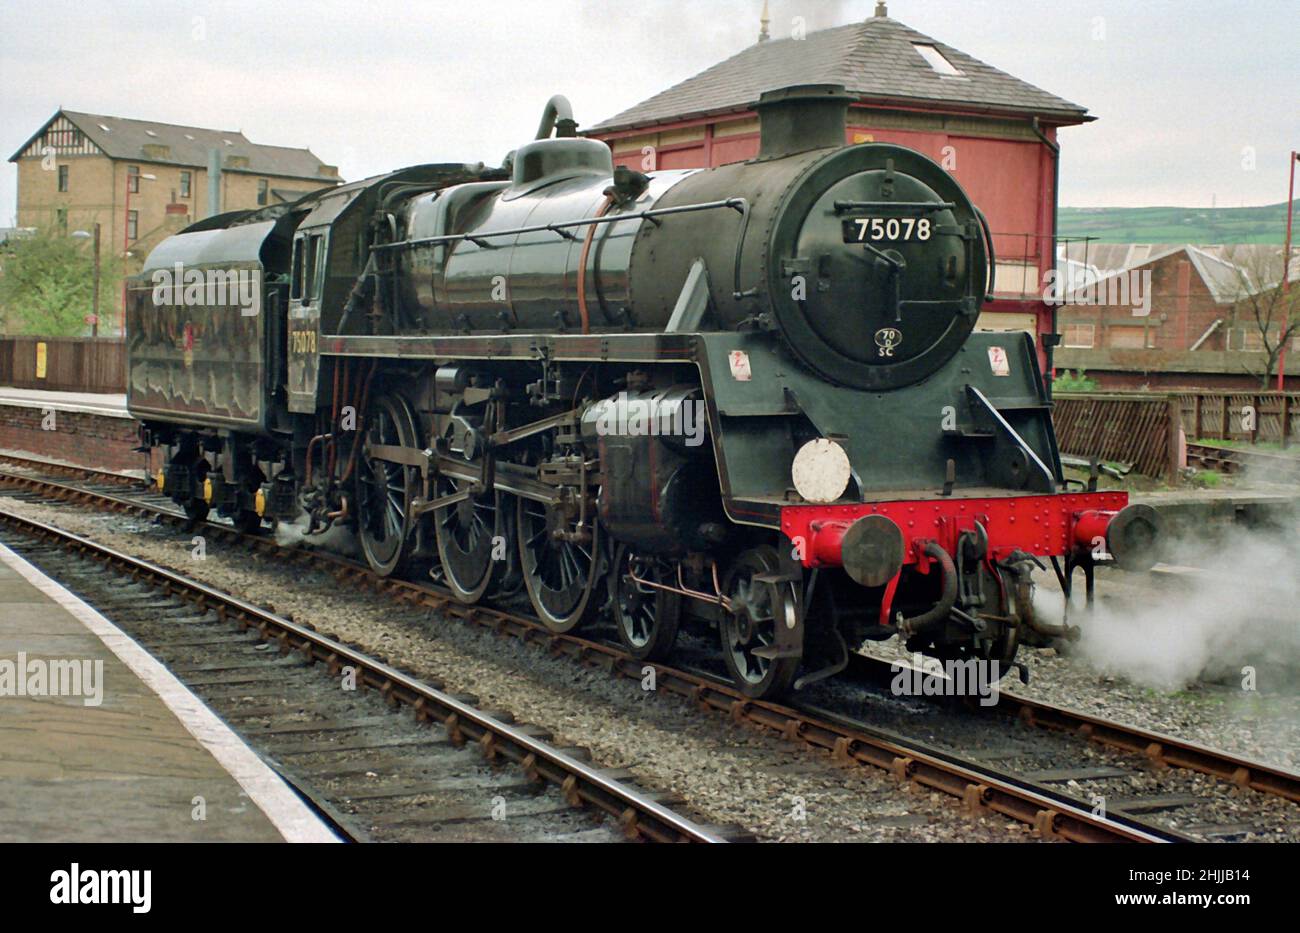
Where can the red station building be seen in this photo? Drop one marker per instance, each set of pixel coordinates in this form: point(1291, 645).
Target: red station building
point(995, 133)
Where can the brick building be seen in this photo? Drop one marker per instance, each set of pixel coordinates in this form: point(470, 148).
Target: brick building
point(1169, 315)
point(994, 132)
point(80, 169)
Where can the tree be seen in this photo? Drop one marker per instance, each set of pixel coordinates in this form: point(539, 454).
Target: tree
point(47, 284)
point(1261, 305)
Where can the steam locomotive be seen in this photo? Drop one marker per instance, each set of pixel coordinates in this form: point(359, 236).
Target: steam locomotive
point(751, 398)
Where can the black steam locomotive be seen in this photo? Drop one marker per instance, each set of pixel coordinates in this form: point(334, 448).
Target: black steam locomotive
point(752, 397)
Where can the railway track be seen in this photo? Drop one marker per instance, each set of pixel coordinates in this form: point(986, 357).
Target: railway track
point(373, 773)
point(1157, 748)
point(1036, 803)
point(1258, 464)
point(1138, 772)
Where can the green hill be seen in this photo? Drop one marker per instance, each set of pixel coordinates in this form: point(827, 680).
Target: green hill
point(1206, 225)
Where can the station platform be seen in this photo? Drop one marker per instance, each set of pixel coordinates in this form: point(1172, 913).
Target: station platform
point(81, 428)
point(125, 758)
point(1193, 512)
point(112, 404)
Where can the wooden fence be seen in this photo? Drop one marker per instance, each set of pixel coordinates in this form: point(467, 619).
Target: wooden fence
point(1139, 428)
point(63, 364)
point(1244, 416)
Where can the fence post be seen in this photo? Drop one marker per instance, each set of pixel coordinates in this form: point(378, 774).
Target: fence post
point(1173, 449)
point(1286, 420)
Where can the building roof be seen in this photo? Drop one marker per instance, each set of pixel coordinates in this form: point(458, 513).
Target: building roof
point(876, 58)
point(170, 144)
point(1225, 280)
point(1227, 271)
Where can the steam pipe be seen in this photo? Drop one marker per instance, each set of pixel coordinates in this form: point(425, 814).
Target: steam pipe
point(1064, 631)
point(939, 612)
point(557, 116)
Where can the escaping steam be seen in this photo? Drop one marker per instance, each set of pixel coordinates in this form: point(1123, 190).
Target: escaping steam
point(338, 539)
point(1240, 607)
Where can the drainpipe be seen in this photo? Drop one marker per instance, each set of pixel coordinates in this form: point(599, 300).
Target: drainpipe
point(1050, 340)
point(1206, 336)
point(214, 182)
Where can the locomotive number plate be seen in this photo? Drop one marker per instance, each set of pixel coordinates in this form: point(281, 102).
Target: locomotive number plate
point(302, 341)
point(886, 229)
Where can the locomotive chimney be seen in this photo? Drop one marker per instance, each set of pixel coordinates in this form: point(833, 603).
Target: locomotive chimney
point(801, 117)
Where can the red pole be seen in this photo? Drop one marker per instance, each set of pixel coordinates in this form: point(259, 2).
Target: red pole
point(1286, 267)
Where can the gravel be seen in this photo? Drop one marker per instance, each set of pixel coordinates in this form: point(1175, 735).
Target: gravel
point(725, 773)
point(1140, 664)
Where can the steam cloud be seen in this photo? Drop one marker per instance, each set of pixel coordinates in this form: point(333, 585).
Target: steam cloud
point(338, 539)
point(1242, 608)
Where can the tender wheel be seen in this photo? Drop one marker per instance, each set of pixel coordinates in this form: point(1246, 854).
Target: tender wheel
point(385, 490)
point(559, 574)
point(465, 532)
point(247, 521)
point(647, 618)
point(196, 510)
point(749, 630)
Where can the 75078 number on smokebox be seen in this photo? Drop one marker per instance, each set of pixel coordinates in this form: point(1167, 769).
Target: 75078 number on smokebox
point(886, 229)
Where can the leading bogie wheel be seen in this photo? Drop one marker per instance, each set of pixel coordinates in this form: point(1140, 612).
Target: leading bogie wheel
point(749, 630)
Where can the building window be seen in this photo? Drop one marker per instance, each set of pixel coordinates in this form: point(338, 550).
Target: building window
point(61, 219)
point(1078, 335)
point(185, 184)
point(934, 58)
point(63, 178)
point(1249, 338)
point(133, 179)
point(262, 187)
point(132, 224)
point(1130, 338)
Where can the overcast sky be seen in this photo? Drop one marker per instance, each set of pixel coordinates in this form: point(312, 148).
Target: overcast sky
point(1186, 92)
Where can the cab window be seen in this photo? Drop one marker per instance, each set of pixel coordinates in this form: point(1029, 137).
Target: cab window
point(308, 263)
